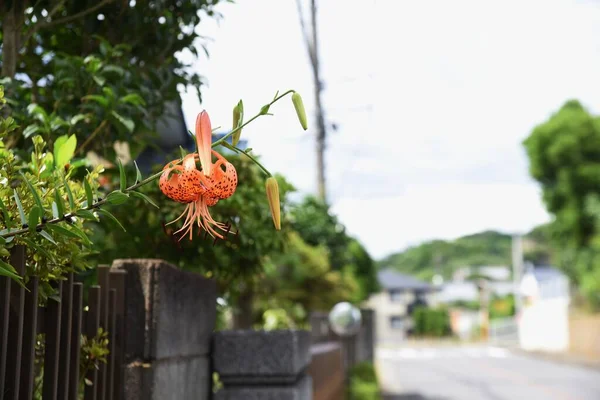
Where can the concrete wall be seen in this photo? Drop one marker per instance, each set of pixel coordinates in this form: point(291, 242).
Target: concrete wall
point(169, 318)
point(385, 308)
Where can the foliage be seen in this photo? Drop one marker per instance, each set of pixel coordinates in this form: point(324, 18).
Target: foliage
point(364, 384)
point(431, 322)
point(300, 280)
point(480, 249)
point(93, 353)
point(563, 155)
point(502, 307)
point(317, 226)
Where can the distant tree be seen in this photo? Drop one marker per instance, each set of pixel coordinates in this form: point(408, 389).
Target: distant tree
point(317, 226)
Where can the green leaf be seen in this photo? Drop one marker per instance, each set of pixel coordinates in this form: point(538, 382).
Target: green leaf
point(144, 197)
point(81, 234)
point(86, 214)
point(34, 193)
point(20, 207)
point(103, 101)
point(138, 173)
point(60, 205)
point(133, 98)
point(117, 197)
point(99, 80)
point(62, 231)
point(55, 213)
point(111, 217)
point(64, 150)
point(77, 118)
point(122, 176)
point(38, 112)
point(2, 241)
point(38, 249)
point(88, 193)
point(69, 194)
point(127, 123)
point(30, 130)
point(7, 270)
point(183, 152)
point(34, 218)
point(7, 239)
point(5, 214)
point(47, 236)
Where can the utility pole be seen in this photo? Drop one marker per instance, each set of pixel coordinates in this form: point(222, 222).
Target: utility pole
point(517, 266)
point(311, 39)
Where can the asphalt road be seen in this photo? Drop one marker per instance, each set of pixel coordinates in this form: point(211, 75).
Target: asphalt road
point(481, 373)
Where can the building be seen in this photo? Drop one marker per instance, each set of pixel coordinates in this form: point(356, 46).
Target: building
point(544, 319)
point(395, 303)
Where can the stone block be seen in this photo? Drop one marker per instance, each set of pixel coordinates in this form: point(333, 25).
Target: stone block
point(173, 379)
point(170, 312)
point(300, 390)
point(245, 356)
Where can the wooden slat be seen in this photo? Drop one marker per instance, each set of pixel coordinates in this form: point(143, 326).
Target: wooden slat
point(117, 281)
point(65, 339)
point(52, 346)
point(91, 329)
point(4, 313)
point(112, 322)
point(15, 333)
point(75, 341)
point(29, 338)
point(103, 281)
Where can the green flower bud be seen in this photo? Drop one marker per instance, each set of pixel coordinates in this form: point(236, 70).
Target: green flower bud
point(299, 106)
point(238, 119)
point(273, 198)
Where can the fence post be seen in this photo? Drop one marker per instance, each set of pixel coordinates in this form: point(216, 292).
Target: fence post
point(170, 316)
point(263, 365)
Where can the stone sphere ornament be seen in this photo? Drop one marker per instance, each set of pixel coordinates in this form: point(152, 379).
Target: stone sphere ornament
point(345, 319)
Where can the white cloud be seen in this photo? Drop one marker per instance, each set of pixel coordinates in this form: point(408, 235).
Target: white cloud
point(453, 89)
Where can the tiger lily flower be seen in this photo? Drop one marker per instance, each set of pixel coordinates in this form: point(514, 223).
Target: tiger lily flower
point(200, 188)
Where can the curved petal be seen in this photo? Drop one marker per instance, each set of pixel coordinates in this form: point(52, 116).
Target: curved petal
point(204, 141)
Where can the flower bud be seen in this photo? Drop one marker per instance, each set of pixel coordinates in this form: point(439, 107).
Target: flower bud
point(299, 106)
point(273, 197)
point(238, 117)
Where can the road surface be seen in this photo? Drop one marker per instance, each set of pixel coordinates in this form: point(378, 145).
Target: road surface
point(480, 373)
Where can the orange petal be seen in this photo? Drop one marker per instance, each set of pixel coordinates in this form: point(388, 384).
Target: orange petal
point(204, 141)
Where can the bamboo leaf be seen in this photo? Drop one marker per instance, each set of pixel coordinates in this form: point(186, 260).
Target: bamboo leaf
point(47, 236)
point(138, 173)
point(86, 214)
point(117, 197)
point(81, 234)
point(69, 194)
point(144, 197)
point(62, 231)
point(122, 176)
point(60, 205)
point(2, 241)
point(7, 270)
point(111, 217)
point(36, 196)
point(5, 215)
point(20, 207)
point(55, 213)
point(88, 192)
point(34, 218)
point(38, 249)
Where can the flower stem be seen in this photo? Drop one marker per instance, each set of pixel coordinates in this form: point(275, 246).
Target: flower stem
point(276, 99)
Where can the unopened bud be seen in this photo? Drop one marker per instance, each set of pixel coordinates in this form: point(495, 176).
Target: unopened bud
point(299, 106)
point(273, 197)
point(238, 117)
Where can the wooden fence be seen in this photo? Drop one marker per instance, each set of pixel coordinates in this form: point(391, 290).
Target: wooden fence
point(55, 374)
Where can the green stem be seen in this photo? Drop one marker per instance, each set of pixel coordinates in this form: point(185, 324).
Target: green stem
point(90, 207)
point(276, 99)
point(254, 160)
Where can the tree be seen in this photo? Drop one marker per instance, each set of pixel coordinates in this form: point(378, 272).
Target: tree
point(564, 156)
point(317, 226)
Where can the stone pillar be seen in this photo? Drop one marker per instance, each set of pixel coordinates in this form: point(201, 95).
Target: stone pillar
point(169, 318)
point(260, 365)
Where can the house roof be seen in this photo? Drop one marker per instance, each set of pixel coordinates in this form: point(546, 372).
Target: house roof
point(546, 273)
point(390, 279)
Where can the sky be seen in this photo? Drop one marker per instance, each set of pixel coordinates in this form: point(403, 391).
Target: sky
point(432, 100)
